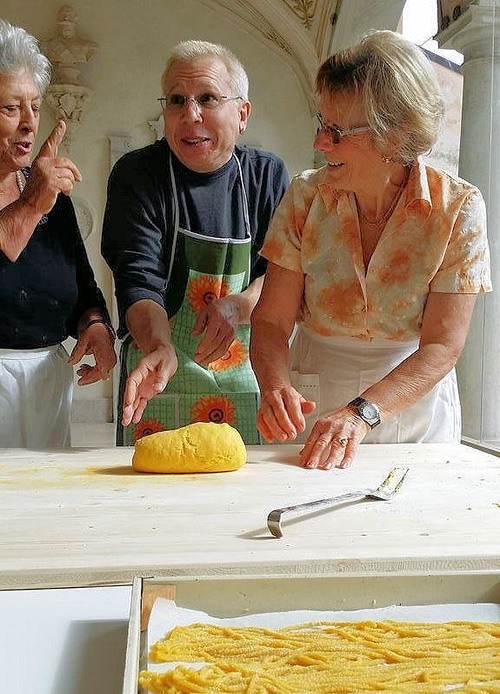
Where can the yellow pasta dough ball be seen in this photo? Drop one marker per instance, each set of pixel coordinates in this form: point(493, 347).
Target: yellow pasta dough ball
point(199, 447)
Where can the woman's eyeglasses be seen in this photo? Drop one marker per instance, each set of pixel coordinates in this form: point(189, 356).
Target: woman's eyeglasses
point(336, 133)
point(204, 102)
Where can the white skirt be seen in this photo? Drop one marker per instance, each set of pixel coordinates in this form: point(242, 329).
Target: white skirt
point(333, 371)
point(36, 390)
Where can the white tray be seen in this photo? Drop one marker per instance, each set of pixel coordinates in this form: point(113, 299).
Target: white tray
point(452, 597)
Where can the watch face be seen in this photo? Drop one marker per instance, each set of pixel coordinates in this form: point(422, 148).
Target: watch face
point(369, 411)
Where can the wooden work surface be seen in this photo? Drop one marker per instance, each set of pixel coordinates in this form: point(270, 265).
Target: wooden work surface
point(84, 517)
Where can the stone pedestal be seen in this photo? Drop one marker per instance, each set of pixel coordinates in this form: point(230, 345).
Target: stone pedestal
point(476, 34)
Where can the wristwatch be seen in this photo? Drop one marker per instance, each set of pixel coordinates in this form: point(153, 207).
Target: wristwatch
point(368, 411)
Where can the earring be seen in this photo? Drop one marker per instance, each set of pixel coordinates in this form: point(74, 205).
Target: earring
point(386, 158)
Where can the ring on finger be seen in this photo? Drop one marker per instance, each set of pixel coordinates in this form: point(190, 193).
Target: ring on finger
point(342, 440)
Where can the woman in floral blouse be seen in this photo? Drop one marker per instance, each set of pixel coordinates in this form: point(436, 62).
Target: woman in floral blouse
point(378, 258)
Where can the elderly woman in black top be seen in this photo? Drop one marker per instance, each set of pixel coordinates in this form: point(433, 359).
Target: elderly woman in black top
point(47, 286)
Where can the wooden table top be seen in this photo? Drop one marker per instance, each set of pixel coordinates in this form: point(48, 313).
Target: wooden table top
point(83, 517)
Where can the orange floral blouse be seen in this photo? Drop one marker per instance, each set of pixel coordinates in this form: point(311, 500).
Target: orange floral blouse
point(435, 241)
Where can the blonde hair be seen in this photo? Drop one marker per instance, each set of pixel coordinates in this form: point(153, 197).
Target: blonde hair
point(403, 103)
point(192, 50)
point(19, 51)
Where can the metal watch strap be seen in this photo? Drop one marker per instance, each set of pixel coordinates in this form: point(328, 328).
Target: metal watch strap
point(357, 403)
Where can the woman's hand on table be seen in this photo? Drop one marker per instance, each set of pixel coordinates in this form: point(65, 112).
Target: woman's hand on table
point(281, 413)
point(334, 440)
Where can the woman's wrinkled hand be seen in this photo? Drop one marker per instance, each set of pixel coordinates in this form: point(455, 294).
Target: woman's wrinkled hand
point(281, 413)
point(149, 378)
point(333, 440)
point(96, 340)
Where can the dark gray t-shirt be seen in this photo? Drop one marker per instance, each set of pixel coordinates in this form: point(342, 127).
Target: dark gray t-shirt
point(138, 220)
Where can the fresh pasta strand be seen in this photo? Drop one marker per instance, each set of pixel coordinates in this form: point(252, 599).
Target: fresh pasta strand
point(330, 657)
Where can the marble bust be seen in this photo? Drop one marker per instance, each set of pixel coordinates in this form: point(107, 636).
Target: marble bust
point(67, 51)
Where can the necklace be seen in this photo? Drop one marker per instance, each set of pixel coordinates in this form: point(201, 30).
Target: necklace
point(20, 181)
point(383, 219)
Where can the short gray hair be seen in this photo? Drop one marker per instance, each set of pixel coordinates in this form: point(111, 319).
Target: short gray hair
point(192, 50)
point(19, 51)
point(403, 102)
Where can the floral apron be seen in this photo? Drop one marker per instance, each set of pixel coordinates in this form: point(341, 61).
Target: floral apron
point(201, 270)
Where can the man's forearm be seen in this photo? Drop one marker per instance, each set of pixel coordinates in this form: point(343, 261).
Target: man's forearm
point(149, 325)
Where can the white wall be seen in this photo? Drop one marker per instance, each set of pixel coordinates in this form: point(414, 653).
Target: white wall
point(124, 75)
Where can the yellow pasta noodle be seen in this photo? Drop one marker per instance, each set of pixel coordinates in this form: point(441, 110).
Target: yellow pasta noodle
point(330, 657)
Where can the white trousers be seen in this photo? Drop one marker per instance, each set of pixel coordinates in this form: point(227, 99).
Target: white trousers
point(36, 390)
point(333, 371)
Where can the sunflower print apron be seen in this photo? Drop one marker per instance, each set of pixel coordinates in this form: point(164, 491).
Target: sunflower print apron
point(201, 270)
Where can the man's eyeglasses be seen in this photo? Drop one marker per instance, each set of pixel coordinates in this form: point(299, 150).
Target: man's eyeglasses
point(205, 102)
point(337, 133)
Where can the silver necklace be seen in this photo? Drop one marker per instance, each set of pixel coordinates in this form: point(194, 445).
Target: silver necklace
point(383, 219)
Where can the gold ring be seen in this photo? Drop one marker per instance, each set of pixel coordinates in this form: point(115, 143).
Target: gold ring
point(343, 441)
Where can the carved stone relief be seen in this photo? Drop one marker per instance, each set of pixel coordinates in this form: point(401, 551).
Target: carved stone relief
point(304, 10)
point(158, 126)
point(118, 145)
point(84, 214)
point(68, 52)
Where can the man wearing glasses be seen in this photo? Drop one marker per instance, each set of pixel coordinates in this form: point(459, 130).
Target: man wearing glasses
point(184, 221)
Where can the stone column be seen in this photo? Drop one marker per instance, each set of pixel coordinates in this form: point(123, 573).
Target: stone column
point(476, 34)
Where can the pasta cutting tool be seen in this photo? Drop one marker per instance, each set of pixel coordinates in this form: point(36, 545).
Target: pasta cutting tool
point(385, 491)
